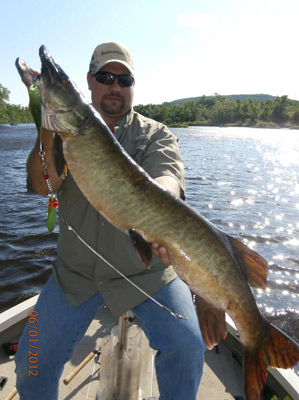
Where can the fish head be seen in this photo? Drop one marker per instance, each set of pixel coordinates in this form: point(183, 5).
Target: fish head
point(64, 109)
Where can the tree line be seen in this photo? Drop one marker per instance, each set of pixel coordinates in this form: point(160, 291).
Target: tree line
point(10, 113)
point(222, 111)
point(207, 110)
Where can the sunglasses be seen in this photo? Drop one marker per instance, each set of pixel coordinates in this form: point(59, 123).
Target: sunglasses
point(107, 78)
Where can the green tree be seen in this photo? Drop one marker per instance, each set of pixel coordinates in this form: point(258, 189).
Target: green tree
point(4, 94)
point(265, 113)
point(220, 110)
point(280, 110)
point(12, 113)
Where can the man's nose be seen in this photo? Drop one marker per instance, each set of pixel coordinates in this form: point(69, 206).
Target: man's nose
point(115, 85)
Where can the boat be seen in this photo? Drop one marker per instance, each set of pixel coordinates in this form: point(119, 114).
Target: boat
point(83, 375)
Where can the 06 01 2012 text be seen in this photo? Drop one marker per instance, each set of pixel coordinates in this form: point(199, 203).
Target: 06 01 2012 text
point(33, 343)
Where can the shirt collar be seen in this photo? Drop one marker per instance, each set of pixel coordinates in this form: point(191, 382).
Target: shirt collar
point(126, 120)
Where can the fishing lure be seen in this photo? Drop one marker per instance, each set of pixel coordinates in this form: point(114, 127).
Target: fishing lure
point(35, 106)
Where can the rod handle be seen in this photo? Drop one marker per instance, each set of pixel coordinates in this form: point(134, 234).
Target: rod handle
point(11, 394)
point(72, 375)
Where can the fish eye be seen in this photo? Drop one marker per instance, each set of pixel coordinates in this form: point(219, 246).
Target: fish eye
point(64, 80)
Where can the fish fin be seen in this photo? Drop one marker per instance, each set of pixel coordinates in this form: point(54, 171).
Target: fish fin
point(211, 321)
point(255, 267)
point(143, 248)
point(256, 372)
point(279, 352)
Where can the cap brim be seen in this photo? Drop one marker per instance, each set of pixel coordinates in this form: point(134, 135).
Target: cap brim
point(101, 65)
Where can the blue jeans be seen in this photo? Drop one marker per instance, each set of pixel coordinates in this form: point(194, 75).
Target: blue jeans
point(179, 360)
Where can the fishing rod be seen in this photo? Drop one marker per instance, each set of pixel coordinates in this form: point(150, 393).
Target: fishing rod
point(175, 315)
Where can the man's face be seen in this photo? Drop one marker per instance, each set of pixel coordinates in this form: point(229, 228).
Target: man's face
point(113, 101)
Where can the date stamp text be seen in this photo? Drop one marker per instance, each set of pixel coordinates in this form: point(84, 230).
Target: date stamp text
point(33, 343)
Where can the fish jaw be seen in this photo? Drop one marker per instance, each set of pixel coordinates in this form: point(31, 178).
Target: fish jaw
point(64, 108)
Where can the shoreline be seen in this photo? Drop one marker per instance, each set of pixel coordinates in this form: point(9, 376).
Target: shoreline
point(261, 125)
point(228, 125)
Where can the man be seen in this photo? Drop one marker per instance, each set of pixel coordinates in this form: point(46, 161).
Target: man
point(82, 283)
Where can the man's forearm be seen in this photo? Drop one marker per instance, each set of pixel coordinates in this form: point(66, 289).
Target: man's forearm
point(169, 183)
point(35, 171)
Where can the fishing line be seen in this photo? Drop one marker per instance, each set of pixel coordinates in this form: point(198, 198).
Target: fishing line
point(120, 273)
point(36, 110)
point(96, 359)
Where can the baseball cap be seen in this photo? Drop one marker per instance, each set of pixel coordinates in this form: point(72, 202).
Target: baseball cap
point(110, 52)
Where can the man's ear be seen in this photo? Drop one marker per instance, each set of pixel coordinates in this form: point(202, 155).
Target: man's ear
point(89, 79)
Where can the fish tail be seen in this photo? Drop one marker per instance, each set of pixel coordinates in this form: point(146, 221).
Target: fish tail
point(279, 352)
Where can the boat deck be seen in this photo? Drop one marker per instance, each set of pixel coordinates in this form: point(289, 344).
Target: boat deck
point(221, 378)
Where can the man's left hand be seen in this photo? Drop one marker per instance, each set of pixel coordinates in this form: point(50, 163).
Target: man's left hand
point(162, 253)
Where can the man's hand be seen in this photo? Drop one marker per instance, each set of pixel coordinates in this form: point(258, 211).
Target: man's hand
point(162, 253)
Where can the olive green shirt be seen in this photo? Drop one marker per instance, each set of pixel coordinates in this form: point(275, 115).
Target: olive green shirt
point(78, 271)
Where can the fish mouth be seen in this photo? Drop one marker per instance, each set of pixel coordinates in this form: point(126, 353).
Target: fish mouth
point(64, 108)
point(28, 75)
point(55, 80)
point(55, 89)
point(51, 72)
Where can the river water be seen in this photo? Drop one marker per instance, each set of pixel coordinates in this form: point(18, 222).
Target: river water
point(246, 181)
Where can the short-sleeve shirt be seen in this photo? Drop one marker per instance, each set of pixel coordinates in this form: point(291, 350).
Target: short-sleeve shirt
point(78, 271)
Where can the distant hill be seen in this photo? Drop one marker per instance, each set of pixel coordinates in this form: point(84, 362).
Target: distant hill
point(242, 97)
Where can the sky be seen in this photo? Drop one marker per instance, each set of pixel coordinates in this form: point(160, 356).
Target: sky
point(181, 48)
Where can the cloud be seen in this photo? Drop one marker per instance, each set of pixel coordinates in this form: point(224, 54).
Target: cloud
point(198, 20)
